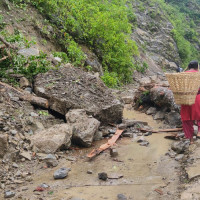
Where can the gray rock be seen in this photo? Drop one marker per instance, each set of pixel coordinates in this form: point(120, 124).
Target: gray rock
point(9, 194)
point(122, 126)
point(61, 173)
point(83, 127)
point(151, 111)
point(26, 155)
point(13, 132)
point(179, 157)
point(98, 135)
point(24, 82)
point(51, 162)
point(3, 145)
point(26, 52)
point(148, 133)
point(144, 143)
point(121, 197)
point(159, 115)
point(33, 114)
point(89, 172)
point(15, 165)
point(52, 139)
point(127, 134)
point(141, 139)
point(128, 99)
point(103, 176)
point(132, 122)
point(173, 118)
point(72, 88)
point(180, 147)
point(28, 89)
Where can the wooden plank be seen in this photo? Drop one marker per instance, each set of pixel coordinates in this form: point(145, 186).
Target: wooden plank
point(107, 145)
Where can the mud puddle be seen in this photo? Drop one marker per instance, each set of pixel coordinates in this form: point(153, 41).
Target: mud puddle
point(144, 169)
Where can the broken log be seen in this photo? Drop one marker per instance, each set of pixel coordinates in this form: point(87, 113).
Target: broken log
point(35, 100)
point(161, 130)
point(109, 144)
point(38, 101)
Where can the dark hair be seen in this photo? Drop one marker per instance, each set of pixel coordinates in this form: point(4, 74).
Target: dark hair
point(193, 65)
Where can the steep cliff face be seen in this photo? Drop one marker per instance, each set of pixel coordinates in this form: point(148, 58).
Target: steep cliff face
point(153, 36)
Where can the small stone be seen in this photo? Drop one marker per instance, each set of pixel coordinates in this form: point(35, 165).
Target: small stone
point(15, 165)
point(113, 152)
point(9, 194)
point(89, 172)
point(51, 163)
point(61, 173)
point(13, 132)
point(121, 197)
point(24, 82)
point(151, 111)
point(141, 139)
point(33, 114)
point(148, 133)
point(127, 134)
point(179, 157)
point(112, 131)
point(159, 115)
point(180, 146)
point(122, 126)
point(28, 89)
point(144, 143)
point(103, 176)
point(26, 155)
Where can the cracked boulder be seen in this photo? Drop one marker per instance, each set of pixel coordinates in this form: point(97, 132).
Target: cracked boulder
point(55, 138)
point(72, 88)
point(83, 127)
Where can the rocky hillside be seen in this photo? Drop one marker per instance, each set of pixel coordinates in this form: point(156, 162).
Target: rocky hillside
point(146, 36)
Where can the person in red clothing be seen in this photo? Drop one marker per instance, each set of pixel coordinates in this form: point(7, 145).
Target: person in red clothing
point(191, 113)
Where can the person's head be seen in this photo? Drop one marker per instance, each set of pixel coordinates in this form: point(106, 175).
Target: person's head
point(193, 65)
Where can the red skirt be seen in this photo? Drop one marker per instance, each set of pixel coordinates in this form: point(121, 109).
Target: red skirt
point(191, 112)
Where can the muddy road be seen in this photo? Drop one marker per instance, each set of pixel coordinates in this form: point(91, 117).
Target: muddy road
point(147, 172)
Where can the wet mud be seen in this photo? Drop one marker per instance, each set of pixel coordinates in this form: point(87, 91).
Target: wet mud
point(147, 172)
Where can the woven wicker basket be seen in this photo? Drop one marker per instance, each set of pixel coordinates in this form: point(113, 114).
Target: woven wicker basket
point(184, 86)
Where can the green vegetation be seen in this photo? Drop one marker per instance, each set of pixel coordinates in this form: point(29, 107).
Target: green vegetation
point(18, 64)
point(184, 21)
point(103, 25)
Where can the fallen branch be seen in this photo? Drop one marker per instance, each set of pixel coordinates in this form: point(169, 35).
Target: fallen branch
point(7, 44)
point(4, 58)
point(109, 144)
point(161, 130)
point(39, 101)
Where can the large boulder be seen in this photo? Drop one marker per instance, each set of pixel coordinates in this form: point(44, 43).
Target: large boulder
point(163, 97)
point(83, 127)
point(3, 145)
point(52, 139)
point(72, 88)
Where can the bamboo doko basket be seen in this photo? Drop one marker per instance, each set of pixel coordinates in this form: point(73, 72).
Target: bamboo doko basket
point(184, 86)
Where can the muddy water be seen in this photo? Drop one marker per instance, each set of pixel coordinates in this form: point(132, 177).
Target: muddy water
point(144, 169)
